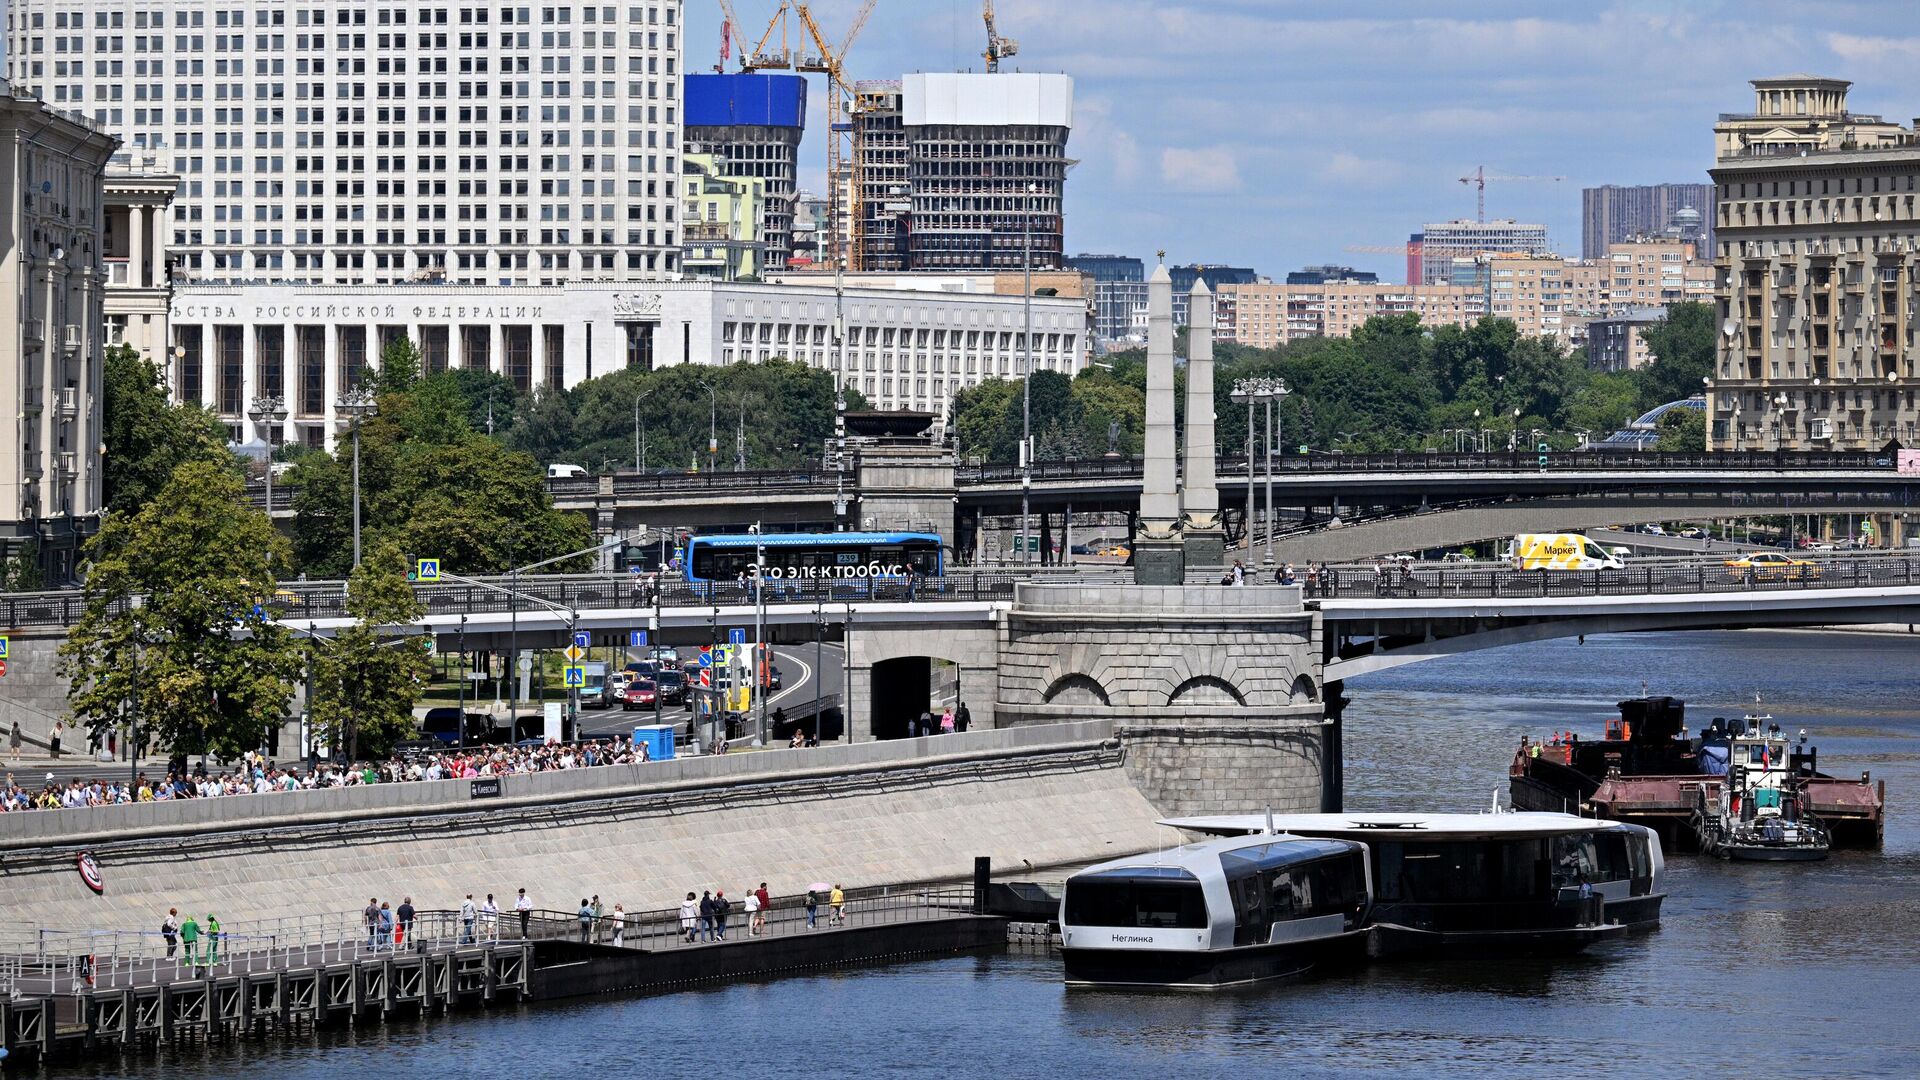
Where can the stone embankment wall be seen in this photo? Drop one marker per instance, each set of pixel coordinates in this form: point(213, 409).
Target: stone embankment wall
point(640, 835)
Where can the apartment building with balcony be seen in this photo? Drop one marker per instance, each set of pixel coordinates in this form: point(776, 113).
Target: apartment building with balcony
point(1817, 274)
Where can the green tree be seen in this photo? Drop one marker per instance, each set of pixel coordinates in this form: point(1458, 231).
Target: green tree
point(400, 365)
point(146, 436)
point(214, 670)
point(543, 425)
point(1682, 431)
point(21, 572)
point(366, 680)
point(1682, 345)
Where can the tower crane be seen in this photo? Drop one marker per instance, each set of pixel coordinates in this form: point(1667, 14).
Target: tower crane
point(759, 58)
point(831, 62)
point(1479, 179)
point(997, 47)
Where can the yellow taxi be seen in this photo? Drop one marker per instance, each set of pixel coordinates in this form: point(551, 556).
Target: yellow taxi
point(1773, 566)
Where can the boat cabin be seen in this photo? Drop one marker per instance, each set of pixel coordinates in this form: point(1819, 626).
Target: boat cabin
point(1219, 912)
point(1491, 882)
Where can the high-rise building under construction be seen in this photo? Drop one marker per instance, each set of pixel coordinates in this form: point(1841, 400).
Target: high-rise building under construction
point(961, 171)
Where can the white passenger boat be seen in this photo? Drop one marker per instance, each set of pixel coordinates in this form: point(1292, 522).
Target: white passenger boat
point(1221, 912)
point(1493, 882)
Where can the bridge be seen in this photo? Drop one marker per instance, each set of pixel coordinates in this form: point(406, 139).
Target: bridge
point(1384, 502)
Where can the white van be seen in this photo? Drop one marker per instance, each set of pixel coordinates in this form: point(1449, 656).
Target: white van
point(1562, 551)
point(565, 472)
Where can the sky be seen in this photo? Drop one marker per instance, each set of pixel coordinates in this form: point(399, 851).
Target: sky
point(1275, 133)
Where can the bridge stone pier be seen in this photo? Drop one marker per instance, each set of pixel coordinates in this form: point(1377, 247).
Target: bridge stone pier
point(1214, 692)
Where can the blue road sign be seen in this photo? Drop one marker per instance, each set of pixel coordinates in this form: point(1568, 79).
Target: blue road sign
point(636, 569)
point(582, 639)
point(636, 639)
point(737, 636)
point(705, 658)
point(574, 675)
point(5, 641)
point(427, 569)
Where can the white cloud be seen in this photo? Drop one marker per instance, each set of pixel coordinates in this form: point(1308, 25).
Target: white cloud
point(1204, 170)
point(1861, 49)
point(1351, 170)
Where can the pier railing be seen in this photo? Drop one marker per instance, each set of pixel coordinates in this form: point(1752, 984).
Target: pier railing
point(1690, 575)
point(64, 962)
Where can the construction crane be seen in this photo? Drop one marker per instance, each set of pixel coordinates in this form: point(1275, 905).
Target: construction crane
point(759, 58)
point(997, 47)
point(1481, 176)
point(831, 61)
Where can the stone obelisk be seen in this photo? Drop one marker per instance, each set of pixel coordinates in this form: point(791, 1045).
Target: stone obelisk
point(1204, 540)
point(1158, 558)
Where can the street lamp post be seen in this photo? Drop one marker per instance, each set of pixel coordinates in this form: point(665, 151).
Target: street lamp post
point(461, 645)
point(713, 419)
point(1026, 377)
point(760, 661)
point(271, 411)
point(639, 434)
point(1247, 392)
point(358, 403)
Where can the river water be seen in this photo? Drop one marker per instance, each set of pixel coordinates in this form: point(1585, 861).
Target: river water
point(1757, 971)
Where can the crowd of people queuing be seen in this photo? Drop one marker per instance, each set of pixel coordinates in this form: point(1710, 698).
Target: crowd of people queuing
point(256, 774)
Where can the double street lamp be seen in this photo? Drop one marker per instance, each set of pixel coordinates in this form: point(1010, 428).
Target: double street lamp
point(1248, 392)
point(357, 403)
point(639, 434)
point(270, 412)
point(1026, 374)
point(713, 421)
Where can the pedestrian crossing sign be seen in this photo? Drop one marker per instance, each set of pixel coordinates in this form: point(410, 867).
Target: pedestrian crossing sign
point(426, 569)
point(574, 676)
point(4, 653)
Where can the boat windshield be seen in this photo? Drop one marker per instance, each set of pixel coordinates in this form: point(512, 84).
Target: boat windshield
point(1486, 870)
point(1162, 898)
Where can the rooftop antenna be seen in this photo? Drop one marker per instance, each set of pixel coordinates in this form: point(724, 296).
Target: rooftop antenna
point(1270, 829)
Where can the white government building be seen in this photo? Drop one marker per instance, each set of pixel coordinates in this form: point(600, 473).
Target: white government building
point(310, 344)
point(368, 142)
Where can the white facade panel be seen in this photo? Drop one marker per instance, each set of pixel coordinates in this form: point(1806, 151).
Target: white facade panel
point(981, 100)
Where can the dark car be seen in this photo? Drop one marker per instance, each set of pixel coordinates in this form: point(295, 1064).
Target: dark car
point(443, 724)
point(671, 685)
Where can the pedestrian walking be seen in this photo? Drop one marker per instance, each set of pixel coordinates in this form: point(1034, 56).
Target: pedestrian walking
point(721, 907)
point(836, 906)
point(14, 741)
point(525, 907)
point(598, 925)
point(813, 909)
point(490, 919)
point(466, 920)
point(689, 917)
point(170, 930)
point(962, 719)
point(1313, 580)
point(753, 913)
point(190, 938)
point(405, 928)
point(766, 904)
point(946, 721)
point(1239, 572)
point(385, 927)
point(53, 737)
point(706, 915)
point(212, 931)
point(371, 915)
point(586, 921)
point(619, 926)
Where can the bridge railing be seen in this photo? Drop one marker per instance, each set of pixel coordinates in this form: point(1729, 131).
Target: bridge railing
point(1427, 581)
point(1576, 461)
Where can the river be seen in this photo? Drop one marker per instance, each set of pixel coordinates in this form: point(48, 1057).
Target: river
point(1757, 971)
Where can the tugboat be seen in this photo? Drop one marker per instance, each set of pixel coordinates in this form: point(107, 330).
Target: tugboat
point(1760, 812)
point(1649, 770)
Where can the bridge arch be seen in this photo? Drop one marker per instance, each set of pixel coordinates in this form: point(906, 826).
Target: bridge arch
point(1206, 690)
point(1304, 690)
point(1075, 689)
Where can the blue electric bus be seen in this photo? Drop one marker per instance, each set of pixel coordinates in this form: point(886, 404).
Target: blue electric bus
point(803, 558)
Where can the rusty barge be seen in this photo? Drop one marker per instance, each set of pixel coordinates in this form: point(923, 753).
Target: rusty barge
point(1650, 771)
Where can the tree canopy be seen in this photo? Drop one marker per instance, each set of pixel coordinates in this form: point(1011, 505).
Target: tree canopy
point(147, 436)
point(367, 677)
point(1393, 384)
point(213, 670)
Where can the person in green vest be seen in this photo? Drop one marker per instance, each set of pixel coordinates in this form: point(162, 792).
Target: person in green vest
point(190, 937)
point(213, 940)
